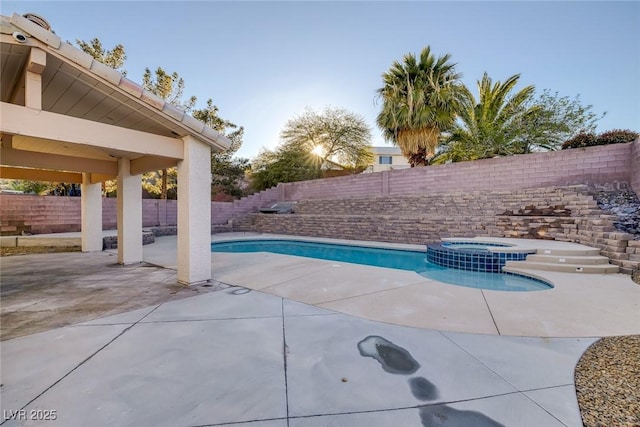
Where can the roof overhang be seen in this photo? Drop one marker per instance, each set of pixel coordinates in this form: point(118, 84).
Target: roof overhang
point(88, 110)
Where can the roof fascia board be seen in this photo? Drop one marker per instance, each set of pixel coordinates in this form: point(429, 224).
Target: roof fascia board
point(36, 31)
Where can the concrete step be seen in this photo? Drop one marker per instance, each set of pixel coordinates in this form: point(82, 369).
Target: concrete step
point(565, 268)
point(570, 252)
point(563, 259)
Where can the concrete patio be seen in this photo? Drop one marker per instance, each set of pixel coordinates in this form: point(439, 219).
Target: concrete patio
point(235, 356)
point(239, 356)
point(579, 305)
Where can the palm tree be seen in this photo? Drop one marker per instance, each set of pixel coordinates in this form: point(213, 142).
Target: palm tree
point(496, 125)
point(420, 98)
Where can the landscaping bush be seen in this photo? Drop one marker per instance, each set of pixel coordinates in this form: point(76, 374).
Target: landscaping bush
point(583, 139)
point(615, 136)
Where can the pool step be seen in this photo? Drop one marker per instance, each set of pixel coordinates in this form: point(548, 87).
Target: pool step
point(564, 259)
point(565, 268)
point(570, 252)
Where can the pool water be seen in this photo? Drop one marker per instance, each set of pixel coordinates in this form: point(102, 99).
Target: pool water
point(389, 258)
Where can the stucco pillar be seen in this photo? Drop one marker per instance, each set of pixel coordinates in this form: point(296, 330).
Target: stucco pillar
point(194, 213)
point(129, 214)
point(91, 214)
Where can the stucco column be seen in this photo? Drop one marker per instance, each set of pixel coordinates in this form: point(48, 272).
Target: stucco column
point(194, 213)
point(91, 214)
point(129, 214)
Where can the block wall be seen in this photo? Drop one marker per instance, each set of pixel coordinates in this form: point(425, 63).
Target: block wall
point(52, 214)
point(37, 214)
point(593, 165)
point(635, 166)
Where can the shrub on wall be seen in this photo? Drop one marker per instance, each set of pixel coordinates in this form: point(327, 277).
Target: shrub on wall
point(583, 139)
point(615, 136)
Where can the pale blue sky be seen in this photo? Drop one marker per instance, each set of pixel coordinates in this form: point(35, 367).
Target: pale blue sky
point(263, 62)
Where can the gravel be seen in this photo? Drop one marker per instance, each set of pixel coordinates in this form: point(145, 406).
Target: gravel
point(608, 383)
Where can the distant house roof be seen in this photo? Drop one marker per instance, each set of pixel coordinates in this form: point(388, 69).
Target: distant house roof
point(388, 151)
point(93, 91)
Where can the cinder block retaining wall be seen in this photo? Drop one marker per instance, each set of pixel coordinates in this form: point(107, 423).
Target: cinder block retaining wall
point(559, 213)
point(594, 165)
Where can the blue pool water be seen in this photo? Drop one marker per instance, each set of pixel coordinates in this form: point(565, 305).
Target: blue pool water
point(390, 258)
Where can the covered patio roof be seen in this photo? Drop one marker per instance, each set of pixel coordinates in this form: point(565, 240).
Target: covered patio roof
point(67, 117)
point(76, 86)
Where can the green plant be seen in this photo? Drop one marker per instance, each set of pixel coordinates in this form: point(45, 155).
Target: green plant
point(491, 125)
point(420, 100)
point(617, 136)
point(583, 139)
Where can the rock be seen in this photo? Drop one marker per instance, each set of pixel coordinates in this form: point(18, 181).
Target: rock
point(625, 205)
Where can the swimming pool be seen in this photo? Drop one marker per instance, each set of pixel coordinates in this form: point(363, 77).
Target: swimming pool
point(389, 258)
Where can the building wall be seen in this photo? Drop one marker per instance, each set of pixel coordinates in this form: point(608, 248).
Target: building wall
point(398, 161)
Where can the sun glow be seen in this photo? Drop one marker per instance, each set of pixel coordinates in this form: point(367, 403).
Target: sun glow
point(318, 150)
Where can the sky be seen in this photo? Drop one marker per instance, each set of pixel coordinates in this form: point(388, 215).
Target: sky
point(264, 62)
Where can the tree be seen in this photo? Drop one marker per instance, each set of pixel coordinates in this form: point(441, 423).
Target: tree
point(311, 141)
point(287, 163)
point(227, 171)
point(558, 119)
point(335, 135)
point(113, 58)
point(503, 123)
point(30, 187)
point(420, 99)
point(169, 87)
point(493, 125)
